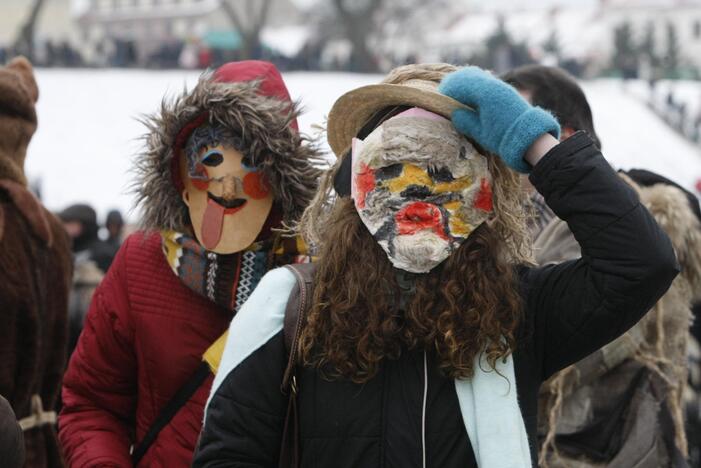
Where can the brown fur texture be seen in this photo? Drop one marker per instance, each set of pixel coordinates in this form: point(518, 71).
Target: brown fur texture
point(35, 277)
point(289, 161)
point(658, 342)
point(18, 119)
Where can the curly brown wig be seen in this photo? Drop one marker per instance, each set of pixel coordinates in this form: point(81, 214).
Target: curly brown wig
point(466, 305)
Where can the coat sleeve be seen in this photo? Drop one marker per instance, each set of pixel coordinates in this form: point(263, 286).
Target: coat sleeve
point(627, 262)
point(245, 416)
point(99, 387)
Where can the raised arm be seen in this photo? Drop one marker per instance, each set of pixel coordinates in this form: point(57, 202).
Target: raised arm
point(627, 260)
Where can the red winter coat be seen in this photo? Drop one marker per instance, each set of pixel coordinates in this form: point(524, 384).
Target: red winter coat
point(144, 337)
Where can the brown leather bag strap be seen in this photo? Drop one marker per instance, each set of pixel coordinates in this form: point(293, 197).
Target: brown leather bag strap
point(294, 316)
point(295, 311)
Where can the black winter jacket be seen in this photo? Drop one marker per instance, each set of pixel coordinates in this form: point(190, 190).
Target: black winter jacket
point(571, 309)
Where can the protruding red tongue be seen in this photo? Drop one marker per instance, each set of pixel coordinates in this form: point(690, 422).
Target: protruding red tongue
point(212, 223)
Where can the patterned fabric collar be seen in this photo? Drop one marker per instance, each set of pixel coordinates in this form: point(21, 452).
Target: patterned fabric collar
point(227, 280)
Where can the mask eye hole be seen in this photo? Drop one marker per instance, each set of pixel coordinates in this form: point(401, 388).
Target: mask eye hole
point(248, 165)
point(389, 172)
point(212, 158)
point(440, 175)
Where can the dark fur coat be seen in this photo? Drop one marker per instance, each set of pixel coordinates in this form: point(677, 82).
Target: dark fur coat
point(35, 274)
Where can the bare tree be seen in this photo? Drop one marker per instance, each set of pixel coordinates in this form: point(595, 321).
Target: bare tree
point(24, 44)
point(248, 23)
point(357, 18)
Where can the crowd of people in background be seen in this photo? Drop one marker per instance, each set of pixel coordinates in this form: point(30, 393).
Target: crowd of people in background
point(225, 174)
point(676, 113)
point(92, 257)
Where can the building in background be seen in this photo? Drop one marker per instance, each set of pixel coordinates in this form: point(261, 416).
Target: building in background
point(588, 35)
point(161, 33)
point(650, 39)
point(54, 29)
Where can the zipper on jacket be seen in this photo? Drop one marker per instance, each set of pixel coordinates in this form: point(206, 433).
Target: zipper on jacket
point(423, 413)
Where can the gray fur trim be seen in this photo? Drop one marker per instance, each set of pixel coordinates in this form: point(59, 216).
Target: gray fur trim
point(290, 162)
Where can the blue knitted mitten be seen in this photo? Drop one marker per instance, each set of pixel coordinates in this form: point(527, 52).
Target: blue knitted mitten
point(503, 122)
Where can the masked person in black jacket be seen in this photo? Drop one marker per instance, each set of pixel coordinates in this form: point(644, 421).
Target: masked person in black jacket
point(428, 333)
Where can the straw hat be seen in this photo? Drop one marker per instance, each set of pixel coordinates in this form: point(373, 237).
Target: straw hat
point(410, 85)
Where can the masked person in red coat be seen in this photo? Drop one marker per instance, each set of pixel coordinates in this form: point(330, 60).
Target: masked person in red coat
point(224, 169)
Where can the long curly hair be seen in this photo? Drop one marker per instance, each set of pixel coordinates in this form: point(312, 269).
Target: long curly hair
point(467, 305)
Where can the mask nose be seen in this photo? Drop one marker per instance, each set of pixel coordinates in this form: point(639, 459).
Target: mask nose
point(231, 187)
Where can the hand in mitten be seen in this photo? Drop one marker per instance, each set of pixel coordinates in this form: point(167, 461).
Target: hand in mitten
point(502, 121)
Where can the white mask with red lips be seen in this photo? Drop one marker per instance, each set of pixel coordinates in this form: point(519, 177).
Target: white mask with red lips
point(420, 188)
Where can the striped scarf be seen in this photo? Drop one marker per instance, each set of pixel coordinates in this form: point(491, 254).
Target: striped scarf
point(227, 279)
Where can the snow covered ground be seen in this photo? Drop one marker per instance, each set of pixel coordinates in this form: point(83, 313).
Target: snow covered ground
point(89, 133)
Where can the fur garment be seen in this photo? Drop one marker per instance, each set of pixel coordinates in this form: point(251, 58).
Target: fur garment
point(35, 277)
point(572, 400)
point(267, 127)
point(35, 274)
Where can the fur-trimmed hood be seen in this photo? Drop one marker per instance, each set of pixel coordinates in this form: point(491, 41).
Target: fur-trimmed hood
point(248, 98)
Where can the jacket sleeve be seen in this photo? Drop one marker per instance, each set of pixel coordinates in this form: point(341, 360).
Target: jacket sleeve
point(627, 262)
point(246, 413)
point(99, 388)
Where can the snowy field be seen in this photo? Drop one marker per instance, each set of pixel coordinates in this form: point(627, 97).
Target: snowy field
point(89, 133)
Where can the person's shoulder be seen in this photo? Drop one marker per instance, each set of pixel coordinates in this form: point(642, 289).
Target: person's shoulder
point(278, 281)
point(142, 243)
point(140, 254)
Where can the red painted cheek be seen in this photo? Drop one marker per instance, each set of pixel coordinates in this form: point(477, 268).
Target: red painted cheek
point(255, 185)
point(483, 200)
point(364, 183)
point(202, 180)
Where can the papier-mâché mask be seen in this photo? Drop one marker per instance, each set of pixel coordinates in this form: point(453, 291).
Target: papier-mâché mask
point(228, 199)
point(420, 188)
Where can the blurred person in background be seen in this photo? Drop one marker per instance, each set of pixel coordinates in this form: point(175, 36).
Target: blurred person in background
point(623, 404)
point(224, 168)
point(114, 224)
point(35, 277)
point(80, 222)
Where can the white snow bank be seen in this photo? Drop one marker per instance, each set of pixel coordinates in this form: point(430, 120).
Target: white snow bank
point(88, 132)
point(634, 137)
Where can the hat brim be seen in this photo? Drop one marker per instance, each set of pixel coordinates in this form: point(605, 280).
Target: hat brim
point(352, 110)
